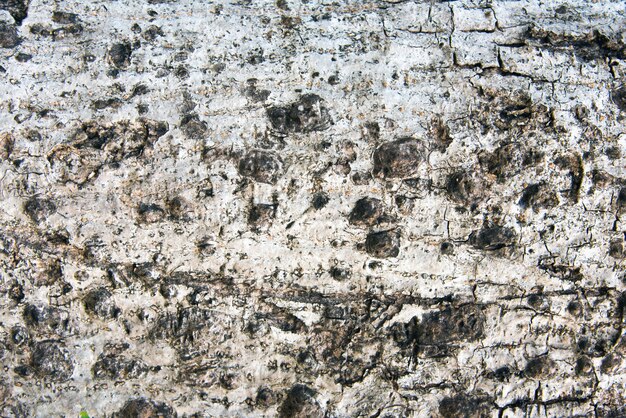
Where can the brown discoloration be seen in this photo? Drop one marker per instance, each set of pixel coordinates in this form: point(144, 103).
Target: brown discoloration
point(590, 46)
point(510, 159)
point(367, 211)
point(49, 360)
point(466, 187)
point(538, 196)
point(308, 114)
point(145, 408)
point(492, 238)
point(466, 406)
point(540, 367)
point(398, 159)
point(260, 165)
point(383, 244)
point(95, 145)
point(300, 403)
point(440, 133)
point(574, 164)
point(119, 54)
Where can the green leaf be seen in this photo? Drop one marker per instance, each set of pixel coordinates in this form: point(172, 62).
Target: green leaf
point(83, 414)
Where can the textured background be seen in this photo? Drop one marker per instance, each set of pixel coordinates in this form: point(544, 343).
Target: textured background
point(306, 209)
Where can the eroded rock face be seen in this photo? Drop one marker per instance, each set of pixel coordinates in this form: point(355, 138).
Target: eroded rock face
point(312, 209)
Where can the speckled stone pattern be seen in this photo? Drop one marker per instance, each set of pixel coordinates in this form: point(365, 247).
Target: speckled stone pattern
point(300, 208)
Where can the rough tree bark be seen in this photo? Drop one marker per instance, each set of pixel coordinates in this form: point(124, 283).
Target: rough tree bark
point(303, 209)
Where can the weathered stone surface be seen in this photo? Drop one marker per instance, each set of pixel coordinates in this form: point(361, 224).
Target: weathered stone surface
point(372, 208)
